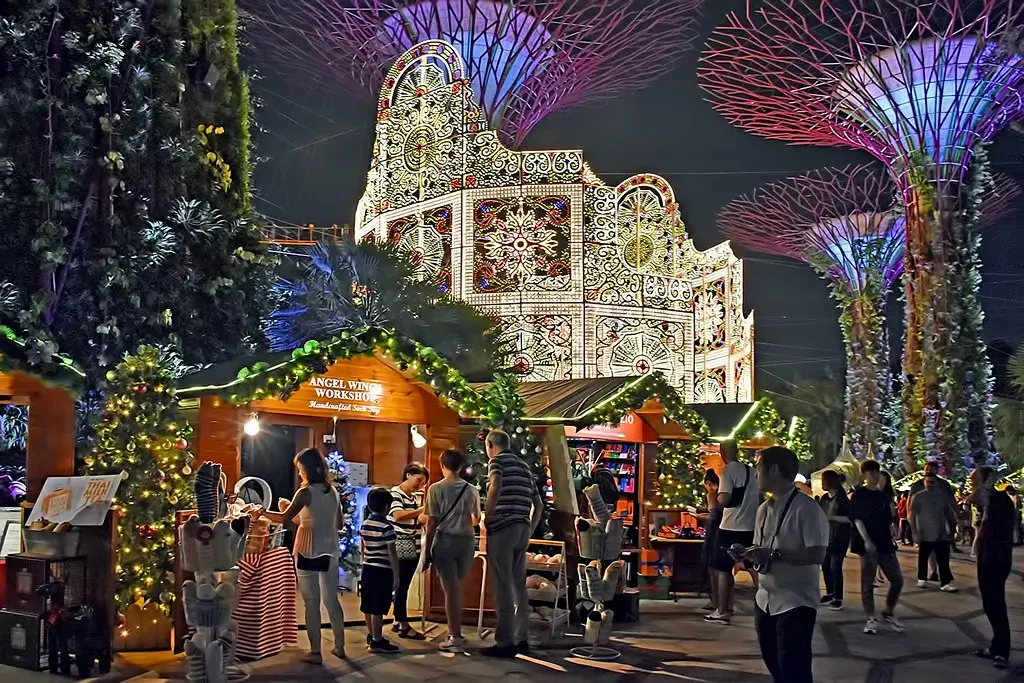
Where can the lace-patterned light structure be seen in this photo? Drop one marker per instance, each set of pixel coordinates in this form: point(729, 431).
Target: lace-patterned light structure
point(842, 223)
point(525, 58)
point(919, 85)
point(592, 280)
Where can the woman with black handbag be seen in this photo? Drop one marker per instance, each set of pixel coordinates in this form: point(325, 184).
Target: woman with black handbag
point(408, 517)
point(453, 509)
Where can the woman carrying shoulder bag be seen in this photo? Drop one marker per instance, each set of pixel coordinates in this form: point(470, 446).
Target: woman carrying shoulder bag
point(408, 517)
point(453, 509)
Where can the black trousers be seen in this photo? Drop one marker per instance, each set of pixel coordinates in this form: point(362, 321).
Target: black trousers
point(941, 550)
point(832, 571)
point(406, 573)
point(992, 586)
point(785, 641)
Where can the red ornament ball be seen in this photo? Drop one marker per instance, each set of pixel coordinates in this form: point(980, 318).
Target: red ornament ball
point(181, 444)
point(147, 531)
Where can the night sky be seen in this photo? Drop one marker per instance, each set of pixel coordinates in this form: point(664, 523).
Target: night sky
point(317, 144)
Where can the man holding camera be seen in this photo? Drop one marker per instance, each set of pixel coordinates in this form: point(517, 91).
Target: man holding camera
point(790, 539)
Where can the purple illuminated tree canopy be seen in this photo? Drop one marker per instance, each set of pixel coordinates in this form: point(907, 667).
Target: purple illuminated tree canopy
point(893, 77)
point(840, 221)
point(525, 58)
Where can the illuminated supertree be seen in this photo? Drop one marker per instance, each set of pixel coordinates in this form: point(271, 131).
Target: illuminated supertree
point(920, 85)
point(841, 222)
point(525, 58)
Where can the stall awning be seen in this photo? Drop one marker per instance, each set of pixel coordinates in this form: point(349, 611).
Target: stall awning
point(568, 400)
point(722, 418)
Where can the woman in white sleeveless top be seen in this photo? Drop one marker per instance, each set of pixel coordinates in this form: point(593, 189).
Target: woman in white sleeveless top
point(318, 510)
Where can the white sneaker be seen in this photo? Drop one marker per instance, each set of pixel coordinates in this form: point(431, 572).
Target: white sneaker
point(893, 623)
point(452, 645)
point(949, 588)
point(716, 617)
point(922, 584)
point(871, 627)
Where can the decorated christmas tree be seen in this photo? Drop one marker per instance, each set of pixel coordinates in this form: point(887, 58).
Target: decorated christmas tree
point(348, 542)
point(680, 474)
point(143, 436)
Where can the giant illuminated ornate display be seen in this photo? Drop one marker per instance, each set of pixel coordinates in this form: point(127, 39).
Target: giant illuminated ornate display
point(592, 280)
point(842, 224)
point(525, 58)
point(919, 85)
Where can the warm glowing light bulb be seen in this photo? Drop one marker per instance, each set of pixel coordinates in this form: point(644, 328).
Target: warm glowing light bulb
point(252, 425)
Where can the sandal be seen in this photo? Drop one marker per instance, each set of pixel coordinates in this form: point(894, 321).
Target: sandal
point(409, 633)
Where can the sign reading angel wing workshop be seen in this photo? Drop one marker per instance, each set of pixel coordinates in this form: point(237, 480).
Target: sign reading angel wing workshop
point(346, 395)
point(360, 388)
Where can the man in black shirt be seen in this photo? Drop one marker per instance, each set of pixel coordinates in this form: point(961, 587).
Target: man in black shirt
point(871, 512)
point(993, 547)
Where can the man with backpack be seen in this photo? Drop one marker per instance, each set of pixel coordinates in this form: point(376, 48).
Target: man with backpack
point(739, 496)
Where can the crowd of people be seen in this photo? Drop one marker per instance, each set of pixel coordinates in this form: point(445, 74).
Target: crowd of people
point(400, 536)
point(792, 543)
point(758, 521)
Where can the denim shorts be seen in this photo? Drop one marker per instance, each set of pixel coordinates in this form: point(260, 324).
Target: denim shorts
point(453, 556)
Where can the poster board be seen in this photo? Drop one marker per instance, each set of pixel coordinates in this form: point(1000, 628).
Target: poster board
point(81, 501)
point(358, 474)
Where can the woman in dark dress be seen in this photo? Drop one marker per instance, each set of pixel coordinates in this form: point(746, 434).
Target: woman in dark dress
point(836, 506)
point(711, 523)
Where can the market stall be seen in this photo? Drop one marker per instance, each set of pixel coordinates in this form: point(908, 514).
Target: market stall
point(370, 397)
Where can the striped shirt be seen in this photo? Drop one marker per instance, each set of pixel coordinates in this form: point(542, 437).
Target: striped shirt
point(516, 495)
point(409, 528)
point(377, 533)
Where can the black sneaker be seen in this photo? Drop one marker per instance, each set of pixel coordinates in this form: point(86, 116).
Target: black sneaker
point(836, 605)
point(1000, 662)
point(383, 647)
point(983, 654)
point(523, 648)
point(499, 652)
point(826, 599)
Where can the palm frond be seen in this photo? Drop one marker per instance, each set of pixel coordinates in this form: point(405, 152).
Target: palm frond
point(351, 285)
point(1015, 368)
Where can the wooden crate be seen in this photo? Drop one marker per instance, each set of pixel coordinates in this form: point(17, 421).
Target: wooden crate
point(23, 640)
point(26, 573)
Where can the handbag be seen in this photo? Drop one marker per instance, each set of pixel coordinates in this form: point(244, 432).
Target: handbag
point(406, 547)
point(426, 551)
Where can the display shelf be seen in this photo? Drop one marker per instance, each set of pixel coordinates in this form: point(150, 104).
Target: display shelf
point(548, 597)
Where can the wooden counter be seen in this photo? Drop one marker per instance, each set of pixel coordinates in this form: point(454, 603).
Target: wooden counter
point(689, 575)
point(470, 596)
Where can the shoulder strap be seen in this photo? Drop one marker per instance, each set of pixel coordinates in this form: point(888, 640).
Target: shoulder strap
point(454, 504)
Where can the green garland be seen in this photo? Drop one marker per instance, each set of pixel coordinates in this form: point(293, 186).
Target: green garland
point(635, 395)
point(39, 358)
point(262, 380)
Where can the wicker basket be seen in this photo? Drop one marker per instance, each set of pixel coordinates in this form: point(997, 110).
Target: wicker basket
point(52, 543)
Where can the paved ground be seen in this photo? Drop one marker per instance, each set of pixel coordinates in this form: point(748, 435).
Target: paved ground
point(672, 643)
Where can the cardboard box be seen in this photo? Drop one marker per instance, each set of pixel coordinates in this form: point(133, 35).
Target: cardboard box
point(655, 587)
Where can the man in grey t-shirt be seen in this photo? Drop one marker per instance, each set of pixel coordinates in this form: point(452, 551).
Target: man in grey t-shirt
point(932, 524)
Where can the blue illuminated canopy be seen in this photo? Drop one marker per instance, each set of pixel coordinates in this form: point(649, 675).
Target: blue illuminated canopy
point(501, 45)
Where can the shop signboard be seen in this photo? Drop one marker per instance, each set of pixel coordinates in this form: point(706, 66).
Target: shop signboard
point(345, 395)
point(81, 501)
point(632, 429)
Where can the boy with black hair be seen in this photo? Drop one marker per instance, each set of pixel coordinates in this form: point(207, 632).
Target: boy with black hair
point(379, 578)
point(871, 512)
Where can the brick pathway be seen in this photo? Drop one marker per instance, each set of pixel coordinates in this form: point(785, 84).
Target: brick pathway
point(672, 643)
